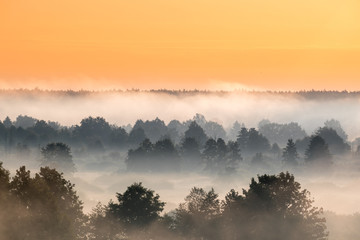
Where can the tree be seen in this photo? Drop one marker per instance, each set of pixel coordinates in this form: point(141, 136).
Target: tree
point(318, 151)
point(136, 136)
point(165, 156)
point(221, 157)
point(101, 225)
point(251, 141)
point(214, 130)
point(190, 150)
point(274, 207)
point(235, 129)
point(280, 133)
point(45, 206)
point(154, 129)
point(119, 137)
point(92, 129)
point(196, 132)
point(290, 154)
point(7, 122)
point(137, 207)
point(25, 121)
point(198, 216)
point(58, 155)
point(336, 144)
point(335, 124)
point(243, 138)
point(257, 142)
point(43, 131)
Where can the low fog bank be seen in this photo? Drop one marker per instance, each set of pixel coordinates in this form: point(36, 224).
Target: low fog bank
point(334, 189)
point(309, 109)
point(190, 150)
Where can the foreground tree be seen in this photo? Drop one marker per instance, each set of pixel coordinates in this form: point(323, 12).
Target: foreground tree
point(137, 207)
point(45, 206)
point(199, 215)
point(273, 208)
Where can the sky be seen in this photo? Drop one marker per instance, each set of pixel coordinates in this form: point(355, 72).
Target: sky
point(187, 44)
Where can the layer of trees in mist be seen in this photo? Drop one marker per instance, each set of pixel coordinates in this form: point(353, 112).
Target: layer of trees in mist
point(46, 206)
point(194, 145)
point(152, 146)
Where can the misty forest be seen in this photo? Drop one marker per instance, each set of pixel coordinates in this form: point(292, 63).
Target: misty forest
point(181, 178)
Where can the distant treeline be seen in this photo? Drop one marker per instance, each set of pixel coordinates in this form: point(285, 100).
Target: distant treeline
point(194, 145)
point(310, 94)
point(46, 206)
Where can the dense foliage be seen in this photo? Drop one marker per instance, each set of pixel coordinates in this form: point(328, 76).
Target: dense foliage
point(46, 206)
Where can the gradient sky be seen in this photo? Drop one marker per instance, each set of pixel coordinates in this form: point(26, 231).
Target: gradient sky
point(204, 44)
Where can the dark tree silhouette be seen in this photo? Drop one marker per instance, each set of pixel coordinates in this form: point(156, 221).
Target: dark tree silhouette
point(7, 122)
point(250, 141)
point(141, 157)
point(335, 142)
point(196, 132)
point(136, 207)
point(136, 136)
point(190, 154)
point(58, 155)
point(257, 142)
point(154, 130)
point(221, 157)
point(318, 151)
point(242, 138)
point(43, 207)
point(290, 154)
point(165, 156)
point(335, 124)
point(43, 131)
point(25, 121)
point(274, 207)
point(161, 156)
point(93, 129)
point(210, 154)
point(119, 137)
point(280, 133)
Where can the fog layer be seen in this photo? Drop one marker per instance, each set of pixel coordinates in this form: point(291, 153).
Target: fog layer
point(122, 108)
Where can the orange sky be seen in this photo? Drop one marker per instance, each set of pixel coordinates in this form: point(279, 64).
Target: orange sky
point(206, 44)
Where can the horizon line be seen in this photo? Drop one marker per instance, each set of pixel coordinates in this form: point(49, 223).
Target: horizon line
point(184, 90)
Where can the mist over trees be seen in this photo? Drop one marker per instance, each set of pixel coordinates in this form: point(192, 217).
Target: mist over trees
point(152, 146)
point(46, 206)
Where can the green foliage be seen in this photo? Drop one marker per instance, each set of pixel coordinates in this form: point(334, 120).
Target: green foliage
point(274, 207)
point(41, 207)
point(198, 216)
point(136, 207)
